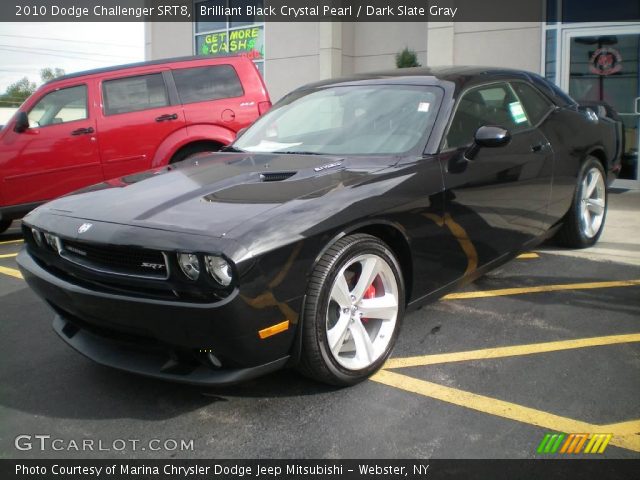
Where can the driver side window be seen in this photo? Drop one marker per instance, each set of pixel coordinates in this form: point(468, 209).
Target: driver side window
point(61, 106)
point(494, 104)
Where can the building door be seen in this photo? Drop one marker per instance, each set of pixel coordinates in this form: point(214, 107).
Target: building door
point(600, 64)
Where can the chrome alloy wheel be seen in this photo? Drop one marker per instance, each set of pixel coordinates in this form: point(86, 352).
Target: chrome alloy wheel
point(592, 203)
point(362, 311)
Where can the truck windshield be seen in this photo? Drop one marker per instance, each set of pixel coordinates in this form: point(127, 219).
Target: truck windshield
point(343, 120)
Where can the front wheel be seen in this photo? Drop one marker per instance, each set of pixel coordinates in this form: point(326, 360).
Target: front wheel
point(584, 222)
point(353, 310)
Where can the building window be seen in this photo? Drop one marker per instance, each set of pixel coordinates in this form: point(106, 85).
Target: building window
point(563, 15)
point(223, 28)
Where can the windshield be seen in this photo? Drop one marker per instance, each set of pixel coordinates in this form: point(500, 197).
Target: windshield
point(356, 120)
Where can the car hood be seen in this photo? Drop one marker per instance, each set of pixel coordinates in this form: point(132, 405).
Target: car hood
point(213, 194)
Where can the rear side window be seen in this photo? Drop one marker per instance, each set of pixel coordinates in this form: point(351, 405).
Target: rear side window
point(133, 94)
point(61, 106)
point(202, 84)
point(535, 104)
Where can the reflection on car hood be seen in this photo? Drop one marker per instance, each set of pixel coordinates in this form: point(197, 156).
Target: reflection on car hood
point(213, 194)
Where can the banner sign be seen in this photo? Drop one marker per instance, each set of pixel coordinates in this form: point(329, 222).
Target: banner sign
point(317, 469)
point(248, 42)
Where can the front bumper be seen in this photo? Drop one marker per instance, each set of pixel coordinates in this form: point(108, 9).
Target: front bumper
point(155, 364)
point(163, 339)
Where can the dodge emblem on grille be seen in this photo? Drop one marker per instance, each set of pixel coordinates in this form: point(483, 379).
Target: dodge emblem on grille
point(84, 227)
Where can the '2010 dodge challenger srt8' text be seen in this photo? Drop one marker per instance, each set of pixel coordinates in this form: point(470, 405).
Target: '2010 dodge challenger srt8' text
point(304, 242)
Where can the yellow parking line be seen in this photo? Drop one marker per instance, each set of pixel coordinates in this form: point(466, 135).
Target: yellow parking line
point(540, 288)
point(500, 408)
point(8, 242)
point(624, 428)
point(515, 350)
point(526, 256)
point(12, 272)
point(9, 255)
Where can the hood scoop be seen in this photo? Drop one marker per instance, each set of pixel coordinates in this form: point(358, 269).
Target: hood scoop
point(276, 176)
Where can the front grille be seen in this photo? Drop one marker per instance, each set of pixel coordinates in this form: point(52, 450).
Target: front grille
point(129, 261)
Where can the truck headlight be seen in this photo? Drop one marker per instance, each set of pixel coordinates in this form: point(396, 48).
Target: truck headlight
point(189, 264)
point(219, 269)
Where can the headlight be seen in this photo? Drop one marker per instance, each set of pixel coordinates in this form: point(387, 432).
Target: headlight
point(189, 264)
point(53, 241)
point(37, 236)
point(219, 269)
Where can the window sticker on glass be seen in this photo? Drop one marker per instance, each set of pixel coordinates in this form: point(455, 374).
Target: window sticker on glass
point(517, 112)
point(423, 106)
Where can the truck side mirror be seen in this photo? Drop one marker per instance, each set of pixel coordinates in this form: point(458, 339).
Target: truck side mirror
point(22, 122)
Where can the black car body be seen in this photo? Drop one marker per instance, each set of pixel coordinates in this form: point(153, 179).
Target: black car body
point(106, 261)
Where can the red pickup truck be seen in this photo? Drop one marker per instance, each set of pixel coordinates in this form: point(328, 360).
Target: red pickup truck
point(92, 126)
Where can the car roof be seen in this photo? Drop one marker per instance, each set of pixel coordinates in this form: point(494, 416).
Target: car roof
point(114, 68)
point(461, 76)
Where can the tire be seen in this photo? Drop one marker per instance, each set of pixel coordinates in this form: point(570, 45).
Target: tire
point(4, 225)
point(329, 308)
point(191, 150)
point(580, 229)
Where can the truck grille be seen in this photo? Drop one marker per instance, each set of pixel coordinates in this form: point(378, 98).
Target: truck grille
point(128, 261)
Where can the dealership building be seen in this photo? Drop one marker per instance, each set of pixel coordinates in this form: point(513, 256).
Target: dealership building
point(594, 61)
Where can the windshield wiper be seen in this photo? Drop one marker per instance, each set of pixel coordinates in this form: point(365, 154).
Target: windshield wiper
point(231, 148)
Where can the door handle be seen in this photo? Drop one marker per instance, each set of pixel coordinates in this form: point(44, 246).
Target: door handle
point(82, 131)
point(168, 116)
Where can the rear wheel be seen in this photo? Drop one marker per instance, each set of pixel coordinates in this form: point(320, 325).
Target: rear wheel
point(584, 222)
point(4, 225)
point(353, 311)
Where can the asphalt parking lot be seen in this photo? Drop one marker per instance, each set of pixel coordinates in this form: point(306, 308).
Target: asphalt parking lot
point(547, 343)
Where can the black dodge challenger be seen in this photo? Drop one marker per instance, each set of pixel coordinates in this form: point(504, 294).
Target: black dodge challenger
point(305, 242)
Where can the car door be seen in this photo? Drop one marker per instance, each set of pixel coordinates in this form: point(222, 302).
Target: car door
point(138, 114)
point(57, 154)
point(498, 200)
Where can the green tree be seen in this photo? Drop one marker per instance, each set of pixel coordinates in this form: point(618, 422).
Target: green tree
point(17, 93)
point(407, 58)
point(48, 74)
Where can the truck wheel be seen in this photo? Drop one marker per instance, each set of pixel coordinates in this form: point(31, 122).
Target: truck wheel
point(584, 222)
point(194, 149)
point(4, 225)
point(353, 310)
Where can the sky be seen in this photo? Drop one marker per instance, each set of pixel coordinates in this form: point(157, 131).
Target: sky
point(25, 48)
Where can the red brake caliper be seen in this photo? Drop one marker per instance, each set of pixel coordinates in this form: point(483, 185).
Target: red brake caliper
point(370, 292)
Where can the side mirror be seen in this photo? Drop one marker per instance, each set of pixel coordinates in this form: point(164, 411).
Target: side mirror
point(593, 112)
point(487, 136)
point(22, 122)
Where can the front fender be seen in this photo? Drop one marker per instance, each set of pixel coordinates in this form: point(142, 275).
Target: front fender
point(187, 135)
